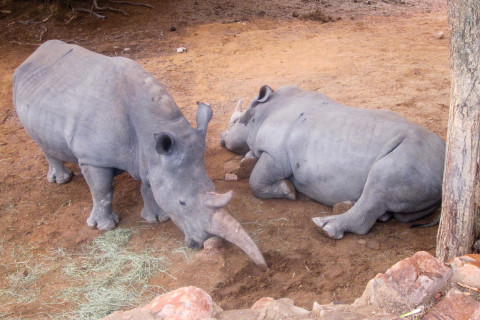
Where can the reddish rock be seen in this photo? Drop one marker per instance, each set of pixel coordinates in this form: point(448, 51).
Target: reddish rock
point(187, 303)
point(241, 169)
point(213, 245)
point(408, 283)
point(349, 312)
point(283, 309)
point(456, 305)
point(466, 270)
point(262, 303)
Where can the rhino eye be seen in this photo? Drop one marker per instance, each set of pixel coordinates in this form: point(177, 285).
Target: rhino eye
point(164, 143)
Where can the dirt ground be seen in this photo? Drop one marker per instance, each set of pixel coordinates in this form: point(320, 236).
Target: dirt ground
point(371, 54)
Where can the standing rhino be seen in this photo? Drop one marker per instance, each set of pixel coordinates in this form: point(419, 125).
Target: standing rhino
point(110, 116)
point(333, 153)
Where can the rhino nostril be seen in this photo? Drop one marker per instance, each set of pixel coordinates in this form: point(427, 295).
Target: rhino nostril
point(182, 202)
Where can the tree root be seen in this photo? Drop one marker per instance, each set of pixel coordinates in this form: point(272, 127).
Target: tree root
point(96, 8)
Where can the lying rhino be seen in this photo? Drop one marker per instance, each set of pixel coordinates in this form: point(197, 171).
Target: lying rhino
point(110, 116)
point(334, 153)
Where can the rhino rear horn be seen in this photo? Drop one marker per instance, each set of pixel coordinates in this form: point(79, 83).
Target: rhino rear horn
point(237, 112)
point(225, 226)
point(216, 200)
point(204, 115)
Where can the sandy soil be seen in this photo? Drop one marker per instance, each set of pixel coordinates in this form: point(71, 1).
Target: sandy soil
point(372, 54)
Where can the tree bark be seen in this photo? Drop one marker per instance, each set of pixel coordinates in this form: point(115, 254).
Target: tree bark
point(459, 223)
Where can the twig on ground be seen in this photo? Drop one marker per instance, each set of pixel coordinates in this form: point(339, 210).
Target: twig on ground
point(133, 3)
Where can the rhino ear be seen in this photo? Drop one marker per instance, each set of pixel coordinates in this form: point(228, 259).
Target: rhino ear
point(204, 115)
point(264, 93)
point(164, 143)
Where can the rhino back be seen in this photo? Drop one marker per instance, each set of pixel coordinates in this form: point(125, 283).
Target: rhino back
point(325, 144)
point(83, 106)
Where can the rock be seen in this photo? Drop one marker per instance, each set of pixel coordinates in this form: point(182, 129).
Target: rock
point(241, 314)
point(231, 177)
point(342, 207)
point(242, 169)
point(283, 309)
point(407, 284)
point(187, 303)
point(456, 305)
point(349, 312)
point(262, 303)
point(213, 245)
point(439, 35)
point(181, 49)
point(466, 270)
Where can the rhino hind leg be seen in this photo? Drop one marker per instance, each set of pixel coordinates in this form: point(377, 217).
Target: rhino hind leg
point(57, 172)
point(359, 219)
point(151, 211)
point(268, 180)
point(100, 182)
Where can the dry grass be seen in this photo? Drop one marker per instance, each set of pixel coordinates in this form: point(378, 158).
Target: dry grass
point(107, 275)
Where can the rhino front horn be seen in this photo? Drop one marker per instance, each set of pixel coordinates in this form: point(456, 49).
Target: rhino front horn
point(225, 226)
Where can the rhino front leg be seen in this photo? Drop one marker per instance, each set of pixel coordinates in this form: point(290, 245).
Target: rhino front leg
point(268, 180)
point(100, 181)
point(57, 172)
point(151, 211)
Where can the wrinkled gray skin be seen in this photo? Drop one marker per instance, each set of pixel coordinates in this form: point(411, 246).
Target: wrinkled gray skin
point(110, 116)
point(332, 153)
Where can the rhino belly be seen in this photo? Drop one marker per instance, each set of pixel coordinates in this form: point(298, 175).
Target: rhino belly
point(328, 188)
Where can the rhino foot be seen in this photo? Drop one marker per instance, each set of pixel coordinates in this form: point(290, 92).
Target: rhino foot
point(103, 221)
point(329, 227)
point(60, 176)
point(287, 189)
point(154, 217)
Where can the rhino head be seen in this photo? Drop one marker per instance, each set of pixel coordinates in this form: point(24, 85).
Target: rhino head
point(235, 138)
point(183, 191)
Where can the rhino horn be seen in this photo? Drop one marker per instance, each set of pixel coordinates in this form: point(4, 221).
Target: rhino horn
point(237, 112)
point(216, 200)
point(225, 226)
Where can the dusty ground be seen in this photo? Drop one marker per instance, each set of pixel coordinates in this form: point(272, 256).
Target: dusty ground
point(372, 54)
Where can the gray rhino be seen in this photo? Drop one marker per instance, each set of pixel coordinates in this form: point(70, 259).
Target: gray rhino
point(385, 164)
point(110, 116)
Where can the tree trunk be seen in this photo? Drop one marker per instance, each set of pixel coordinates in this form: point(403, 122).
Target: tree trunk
point(459, 224)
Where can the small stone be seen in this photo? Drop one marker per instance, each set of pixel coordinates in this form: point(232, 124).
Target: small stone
point(439, 35)
point(181, 49)
point(213, 245)
point(231, 177)
point(126, 49)
point(295, 14)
